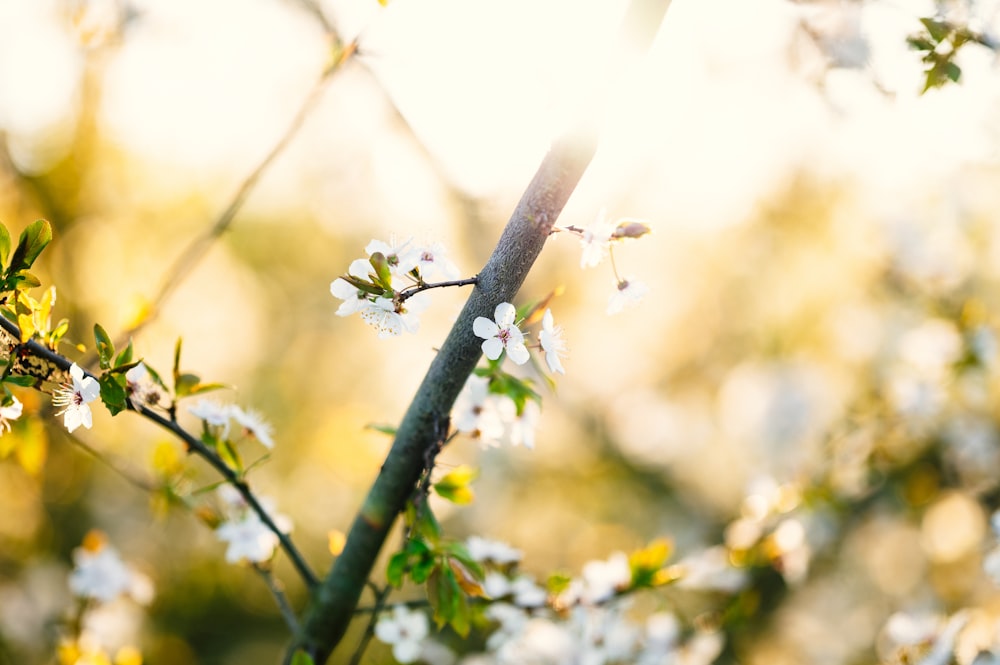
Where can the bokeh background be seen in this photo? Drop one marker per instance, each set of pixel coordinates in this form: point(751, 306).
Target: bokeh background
point(822, 318)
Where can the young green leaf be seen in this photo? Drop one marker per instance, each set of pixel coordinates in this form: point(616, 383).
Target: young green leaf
point(447, 600)
point(455, 485)
point(20, 380)
point(300, 657)
point(124, 356)
point(383, 275)
point(105, 347)
point(31, 243)
point(397, 568)
point(113, 393)
point(4, 244)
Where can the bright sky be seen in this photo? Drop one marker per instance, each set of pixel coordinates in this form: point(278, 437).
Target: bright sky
point(204, 87)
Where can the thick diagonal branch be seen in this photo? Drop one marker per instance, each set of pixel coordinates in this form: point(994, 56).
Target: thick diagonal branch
point(335, 599)
point(522, 240)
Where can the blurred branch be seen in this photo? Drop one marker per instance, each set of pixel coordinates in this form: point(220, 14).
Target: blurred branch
point(194, 445)
point(119, 467)
point(335, 600)
point(197, 248)
point(381, 596)
point(317, 13)
point(278, 591)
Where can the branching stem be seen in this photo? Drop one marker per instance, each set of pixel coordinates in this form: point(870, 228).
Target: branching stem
point(424, 286)
point(194, 445)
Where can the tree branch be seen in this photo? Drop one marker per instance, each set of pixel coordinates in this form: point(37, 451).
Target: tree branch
point(499, 281)
point(334, 601)
point(193, 444)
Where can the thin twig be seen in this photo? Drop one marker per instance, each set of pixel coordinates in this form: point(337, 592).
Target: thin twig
point(424, 286)
point(194, 445)
point(278, 591)
point(118, 467)
point(416, 603)
point(380, 598)
point(198, 247)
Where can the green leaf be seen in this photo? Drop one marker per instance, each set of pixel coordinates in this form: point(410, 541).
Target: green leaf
point(18, 380)
point(199, 388)
point(26, 322)
point(300, 657)
point(231, 456)
point(455, 485)
point(397, 568)
point(31, 243)
point(4, 243)
point(177, 362)
point(447, 600)
point(519, 390)
point(953, 71)
point(422, 569)
point(113, 393)
point(185, 383)
point(919, 43)
point(26, 280)
point(938, 30)
point(383, 274)
point(384, 429)
point(105, 347)
point(460, 553)
point(427, 525)
point(58, 333)
point(362, 285)
point(125, 356)
point(155, 376)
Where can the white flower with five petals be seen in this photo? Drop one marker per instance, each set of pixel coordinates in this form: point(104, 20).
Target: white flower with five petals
point(405, 630)
point(75, 399)
point(501, 334)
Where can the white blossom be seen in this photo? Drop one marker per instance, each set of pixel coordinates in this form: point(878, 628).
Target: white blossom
point(501, 334)
point(213, 414)
point(254, 425)
point(10, 412)
point(629, 293)
point(405, 630)
point(75, 398)
point(100, 574)
point(483, 549)
point(553, 344)
point(595, 240)
point(432, 260)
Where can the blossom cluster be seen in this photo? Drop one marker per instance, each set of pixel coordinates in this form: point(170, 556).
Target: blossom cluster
point(381, 287)
point(219, 417)
point(589, 621)
point(597, 242)
point(100, 578)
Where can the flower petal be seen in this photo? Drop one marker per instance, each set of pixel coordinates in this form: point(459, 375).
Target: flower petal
point(504, 314)
point(518, 352)
point(485, 328)
point(493, 347)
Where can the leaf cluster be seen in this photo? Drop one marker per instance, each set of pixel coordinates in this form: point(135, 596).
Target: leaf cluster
point(940, 42)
